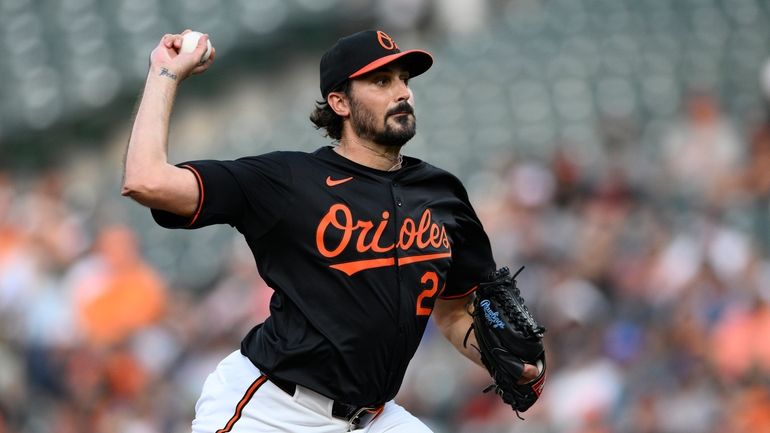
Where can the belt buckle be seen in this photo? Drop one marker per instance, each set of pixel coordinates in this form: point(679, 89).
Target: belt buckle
point(363, 416)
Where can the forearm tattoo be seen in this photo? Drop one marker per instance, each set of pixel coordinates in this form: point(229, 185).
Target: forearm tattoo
point(166, 73)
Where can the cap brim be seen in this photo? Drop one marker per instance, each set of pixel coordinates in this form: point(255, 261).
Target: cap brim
point(415, 61)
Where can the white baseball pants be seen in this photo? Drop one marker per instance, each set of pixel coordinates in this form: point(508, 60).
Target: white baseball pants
point(237, 398)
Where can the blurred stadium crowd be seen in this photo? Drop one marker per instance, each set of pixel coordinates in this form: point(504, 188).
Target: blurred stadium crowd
point(619, 149)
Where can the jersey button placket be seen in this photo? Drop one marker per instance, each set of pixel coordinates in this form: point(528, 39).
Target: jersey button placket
point(399, 202)
point(397, 356)
point(397, 218)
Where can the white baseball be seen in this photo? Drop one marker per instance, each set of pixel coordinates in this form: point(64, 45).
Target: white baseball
point(190, 41)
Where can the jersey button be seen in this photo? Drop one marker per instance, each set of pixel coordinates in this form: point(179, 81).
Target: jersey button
point(398, 203)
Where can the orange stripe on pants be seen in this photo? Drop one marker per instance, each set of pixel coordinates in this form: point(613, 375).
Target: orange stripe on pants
point(242, 403)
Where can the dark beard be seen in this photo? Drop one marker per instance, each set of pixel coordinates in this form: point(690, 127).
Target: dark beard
point(363, 123)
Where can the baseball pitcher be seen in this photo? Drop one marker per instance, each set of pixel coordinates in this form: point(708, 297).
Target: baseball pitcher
point(360, 244)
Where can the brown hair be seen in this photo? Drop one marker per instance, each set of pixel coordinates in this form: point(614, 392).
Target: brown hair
point(323, 117)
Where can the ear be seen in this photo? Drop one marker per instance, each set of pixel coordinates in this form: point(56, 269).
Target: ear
point(339, 102)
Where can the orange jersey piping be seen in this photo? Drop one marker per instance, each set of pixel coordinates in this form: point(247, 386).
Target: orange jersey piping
point(200, 199)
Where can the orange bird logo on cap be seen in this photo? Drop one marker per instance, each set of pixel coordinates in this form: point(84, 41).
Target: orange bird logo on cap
point(386, 41)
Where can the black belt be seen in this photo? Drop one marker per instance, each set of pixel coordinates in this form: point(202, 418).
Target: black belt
point(357, 417)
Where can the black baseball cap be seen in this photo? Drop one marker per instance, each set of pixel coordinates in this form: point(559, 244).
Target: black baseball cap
point(363, 52)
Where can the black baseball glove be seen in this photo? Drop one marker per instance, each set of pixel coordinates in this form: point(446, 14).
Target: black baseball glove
point(508, 337)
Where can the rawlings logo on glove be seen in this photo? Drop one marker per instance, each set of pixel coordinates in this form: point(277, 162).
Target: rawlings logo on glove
point(492, 316)
point(508, 337)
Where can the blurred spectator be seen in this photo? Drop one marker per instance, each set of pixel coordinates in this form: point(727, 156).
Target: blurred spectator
point(702, 152)
point(757, 171)
point(734, 347)
point(749, 410)
point(115, 292)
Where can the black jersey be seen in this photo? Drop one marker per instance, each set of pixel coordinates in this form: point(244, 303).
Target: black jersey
point(356, 257)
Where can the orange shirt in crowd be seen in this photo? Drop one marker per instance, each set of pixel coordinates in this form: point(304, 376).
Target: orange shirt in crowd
point(121, 296)
point(734, 343)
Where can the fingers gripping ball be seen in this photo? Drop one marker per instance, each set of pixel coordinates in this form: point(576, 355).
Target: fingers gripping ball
point(508, 337)
point(190, 41)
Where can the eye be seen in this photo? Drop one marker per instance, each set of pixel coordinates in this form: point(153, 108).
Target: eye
point(381, 81)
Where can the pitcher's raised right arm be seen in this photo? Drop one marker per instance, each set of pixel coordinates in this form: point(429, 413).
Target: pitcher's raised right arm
point(148, 178)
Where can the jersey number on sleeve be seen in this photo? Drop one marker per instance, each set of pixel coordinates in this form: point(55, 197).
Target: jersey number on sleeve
point(431, 279)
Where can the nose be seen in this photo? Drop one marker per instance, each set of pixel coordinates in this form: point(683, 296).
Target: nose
point(403, 92)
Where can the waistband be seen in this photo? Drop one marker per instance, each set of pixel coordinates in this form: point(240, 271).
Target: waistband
point(357, 417)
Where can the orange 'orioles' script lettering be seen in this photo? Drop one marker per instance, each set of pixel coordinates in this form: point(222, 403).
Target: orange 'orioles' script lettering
point(366, 236)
